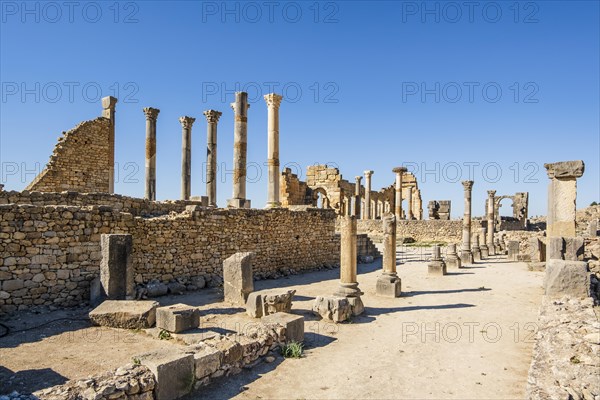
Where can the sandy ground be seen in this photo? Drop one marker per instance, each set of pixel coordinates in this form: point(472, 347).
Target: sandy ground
point(467, 335)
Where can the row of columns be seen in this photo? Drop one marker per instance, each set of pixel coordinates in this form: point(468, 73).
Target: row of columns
point(240, 150)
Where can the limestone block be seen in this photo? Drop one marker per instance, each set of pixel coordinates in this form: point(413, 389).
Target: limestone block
point(593, 228)
point(513, 250)
point(177, 318)
point(356, 305)
point(237, 278)
point(336, 309)
point(127, 314)
point(156, 288)
point(294, 325)
point(537, 250)
point(116, 269)
point(388, 286)
point(173, 370)
point(437, 268)
point(565, 277)
point(261, 304)
point(565, 248)
point(232, 350)
point(207, 359)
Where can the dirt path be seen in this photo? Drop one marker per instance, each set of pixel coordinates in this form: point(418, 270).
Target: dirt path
point(467, 335)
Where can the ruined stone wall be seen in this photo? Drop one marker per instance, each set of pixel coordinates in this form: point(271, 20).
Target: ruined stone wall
point(135, 206)
point(50, 254)
point(293, 191)
point(421, 231)
point(79, 161)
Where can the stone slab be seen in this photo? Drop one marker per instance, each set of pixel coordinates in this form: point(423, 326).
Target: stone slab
point(294, 325)
point(237, 278)
point(177, 318)
point(127, 314)
point(173, 370)
point(263, 303)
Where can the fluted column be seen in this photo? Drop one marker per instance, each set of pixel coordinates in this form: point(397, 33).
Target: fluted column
point(109, 104)
point(466, 255)
point(273, 102)
point(367, 211)
point(357, 199)
point(491, 212)
point(398, 188)
point(212, 119)
point(186, 156)
point(240, 151)
point(150, 164)
point(409, 205)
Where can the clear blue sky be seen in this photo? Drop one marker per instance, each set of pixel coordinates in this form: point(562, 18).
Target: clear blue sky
point(360, 81)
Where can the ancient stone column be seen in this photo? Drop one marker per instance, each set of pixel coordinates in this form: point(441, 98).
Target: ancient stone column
point(150, 187)
point(389, 284)
point(483, 247)
point(409, 205)
point(240, 151)
point(465, 254)
point(562, 195)
point(186, 156)
point(490, 221)
point(452, 259)
point(109, 104)
point(398, 191)
point(475, 250)
point(367, 210)
point(212, 119)
point(357, 199)
point(116, 267)
point(348, 254)
point(437, 266)
point(273, 102)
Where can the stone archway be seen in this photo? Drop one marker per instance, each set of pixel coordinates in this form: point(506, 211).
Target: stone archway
point(320, 199)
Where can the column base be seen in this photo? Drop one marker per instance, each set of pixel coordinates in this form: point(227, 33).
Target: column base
point(453, 262)
point(238, 203)
point(476, 254)
point(437, 268)
point(388, 285)
point(466, 257)
point(348, 290)
point(485, 253)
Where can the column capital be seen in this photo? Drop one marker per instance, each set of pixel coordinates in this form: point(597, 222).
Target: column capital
point(273, 100)
point(468, 185)
point(368, 173)
point(186, 122)
point(491, 193)
point(399, 170)
point(212, 116)
point(151, 113)
point(109, 102)
point(358, 178)
point(565, 169)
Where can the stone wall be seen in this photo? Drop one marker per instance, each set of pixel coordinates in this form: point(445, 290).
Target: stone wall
point(135, 206)
point(421, 231)
point(80, 161)
point(50, 254)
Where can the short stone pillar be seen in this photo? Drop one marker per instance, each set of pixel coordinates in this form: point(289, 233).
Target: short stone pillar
point(593, 228)
point(491, 213)
point(150, 164)
point(348, 284)
point(357, 197)
point(240, 151)
point(567, 278)
point(367, 211)
point(409, 205)
point(437, 266)
point(212, 119)
point(513, 250)
point(109, 104)
point(186, 156)
point(483, 247)
point(273, 102)
point(237, 278)
point(116, 268)
point(562, 196)
point(537, 250)
point(388, 284)
point(399, 171)
point(452, 258)
point(475, 250)
point(465, 254)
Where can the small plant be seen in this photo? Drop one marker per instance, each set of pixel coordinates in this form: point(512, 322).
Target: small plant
point(136, 361)
point(594, 203)
point(164, 335)
point(292, 349)
point(574, 360)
